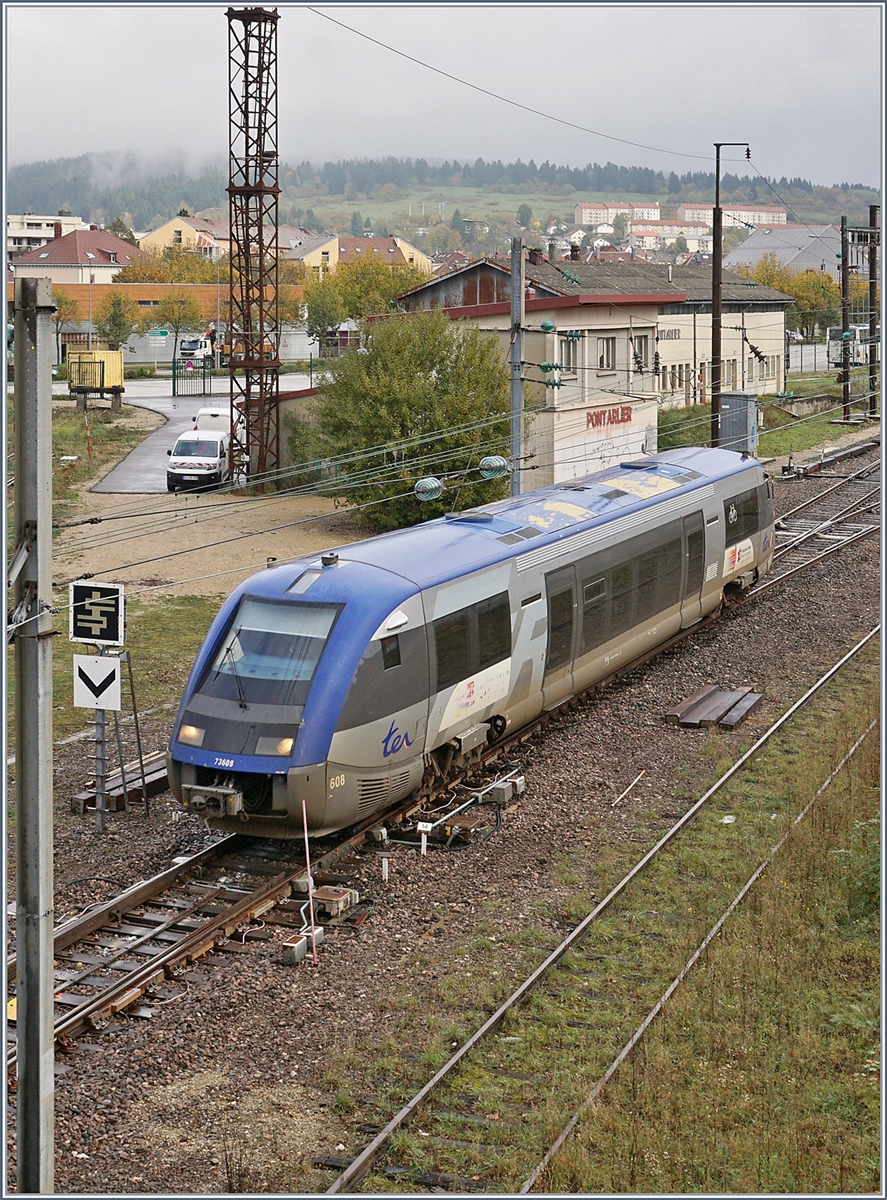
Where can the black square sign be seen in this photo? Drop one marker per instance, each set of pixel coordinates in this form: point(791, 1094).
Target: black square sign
point(97, 613)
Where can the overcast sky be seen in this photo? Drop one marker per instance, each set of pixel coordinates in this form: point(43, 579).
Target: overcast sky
point(801, 82)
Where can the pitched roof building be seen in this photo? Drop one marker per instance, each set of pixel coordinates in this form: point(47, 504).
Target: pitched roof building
point(798, 247)
point(77, 256)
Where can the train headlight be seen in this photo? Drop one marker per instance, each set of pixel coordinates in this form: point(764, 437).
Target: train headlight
point(282, 747)
point(191, 735)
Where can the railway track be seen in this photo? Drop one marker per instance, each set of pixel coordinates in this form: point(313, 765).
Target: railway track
point(842, 514)
point(474, 1108)
point(145, 940)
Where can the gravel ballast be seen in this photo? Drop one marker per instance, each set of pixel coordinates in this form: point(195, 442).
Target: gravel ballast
point(227, 1084)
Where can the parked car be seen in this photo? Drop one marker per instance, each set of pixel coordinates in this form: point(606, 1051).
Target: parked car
point(199, 459)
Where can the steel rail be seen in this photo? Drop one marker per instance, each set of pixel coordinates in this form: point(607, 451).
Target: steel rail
point(193, 945)
point(811, 562)
point(685, 970)
point(356, 1170)
point(858, 508)
point(856, 477)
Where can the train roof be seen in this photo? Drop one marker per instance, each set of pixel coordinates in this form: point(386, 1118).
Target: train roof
point(446, 547)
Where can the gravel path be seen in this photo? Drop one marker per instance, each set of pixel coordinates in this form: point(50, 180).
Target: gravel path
point(150, 1105)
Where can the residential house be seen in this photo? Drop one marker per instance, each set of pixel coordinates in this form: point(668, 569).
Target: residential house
point(734, 215)
point(212, 238)
point(657, 235)
point(443, 261)
point(28, 231)
point(326, 252)
point(84, 256)
point(599, 212)
point(797, 247)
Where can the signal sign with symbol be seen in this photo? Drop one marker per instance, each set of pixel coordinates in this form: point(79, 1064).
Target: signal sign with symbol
point(97, 613)
point(97, 682)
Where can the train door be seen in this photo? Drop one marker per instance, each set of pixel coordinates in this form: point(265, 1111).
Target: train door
point(694, 568)
point(560, 587)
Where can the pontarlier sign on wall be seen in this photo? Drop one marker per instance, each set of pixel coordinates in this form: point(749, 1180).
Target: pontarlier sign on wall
point(97, 613)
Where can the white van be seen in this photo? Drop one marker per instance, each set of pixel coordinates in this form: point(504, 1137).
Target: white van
point(199, 459)
point(217, 420)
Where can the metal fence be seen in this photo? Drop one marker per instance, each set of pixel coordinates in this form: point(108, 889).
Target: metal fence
point(86, 374)
point(192, 377)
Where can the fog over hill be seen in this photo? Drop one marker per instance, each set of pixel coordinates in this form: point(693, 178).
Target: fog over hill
point(144, 191)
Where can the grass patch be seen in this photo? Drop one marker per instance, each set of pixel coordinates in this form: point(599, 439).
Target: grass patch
point(163, 637)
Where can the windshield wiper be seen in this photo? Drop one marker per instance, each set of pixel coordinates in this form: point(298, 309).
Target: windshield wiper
point(229, 652)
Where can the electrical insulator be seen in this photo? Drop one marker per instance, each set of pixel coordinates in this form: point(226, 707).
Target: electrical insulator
point(656, 361)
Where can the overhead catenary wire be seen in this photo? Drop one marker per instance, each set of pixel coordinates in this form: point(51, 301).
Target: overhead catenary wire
point(505, 99)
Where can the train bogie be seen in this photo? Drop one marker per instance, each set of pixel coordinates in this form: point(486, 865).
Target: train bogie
point(327, 690)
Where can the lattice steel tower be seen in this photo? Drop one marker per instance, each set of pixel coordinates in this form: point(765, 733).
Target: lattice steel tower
point(253, 189)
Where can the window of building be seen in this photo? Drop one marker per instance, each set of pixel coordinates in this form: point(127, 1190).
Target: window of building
point(762, 370)
point(642, 348)
point(148, 303)
point(569, 355)
point(177, 237)
point(113, 256)
point(606, 353)
point(772, 366)
point(32, 225)
point(325, 256)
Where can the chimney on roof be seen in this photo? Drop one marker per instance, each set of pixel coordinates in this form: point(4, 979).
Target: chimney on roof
point(57, 229)
point(574, 252)
point(94, 227)
point(552, 252)
point(533, 256)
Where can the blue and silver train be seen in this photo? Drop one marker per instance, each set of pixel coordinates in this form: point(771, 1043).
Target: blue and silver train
point(331, 687)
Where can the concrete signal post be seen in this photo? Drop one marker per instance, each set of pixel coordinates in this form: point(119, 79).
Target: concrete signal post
point(30, 573)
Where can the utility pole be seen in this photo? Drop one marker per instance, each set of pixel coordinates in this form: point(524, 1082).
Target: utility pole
point(717, 256)
point(31, 572)
point(874, 242)
point(845, 317)
point(518, 311)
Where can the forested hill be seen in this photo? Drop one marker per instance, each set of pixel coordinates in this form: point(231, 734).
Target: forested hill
point(100, 187)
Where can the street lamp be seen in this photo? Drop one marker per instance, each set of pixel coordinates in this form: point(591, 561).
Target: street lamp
point(89, 333)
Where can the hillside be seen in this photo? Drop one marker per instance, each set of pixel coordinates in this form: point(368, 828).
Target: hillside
point(411, 197)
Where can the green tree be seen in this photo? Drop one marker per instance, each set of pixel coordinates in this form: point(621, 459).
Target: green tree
point(422, 376)
point(179, 313)
point(117, 318)
point(67, 313)
point(356, 224)
point(456, 221)
point(120, 229)
point(325, 310)
point(172, 265)
point(524, 215)
point(817, 296)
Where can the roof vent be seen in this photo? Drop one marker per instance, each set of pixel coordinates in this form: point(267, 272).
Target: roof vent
point(329, 560)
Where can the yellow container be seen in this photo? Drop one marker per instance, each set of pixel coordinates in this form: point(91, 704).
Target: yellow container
point(83, 371)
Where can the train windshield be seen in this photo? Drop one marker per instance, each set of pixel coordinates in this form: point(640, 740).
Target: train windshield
point(270, 652)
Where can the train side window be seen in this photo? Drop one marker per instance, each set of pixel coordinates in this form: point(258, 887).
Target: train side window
point(621, 598)
point(493, 630)
point(741, 516)
point(648, 574)
point(452, 639)
point(595, 615)
point(594, 592)
point(390, 652)
point(670, 569)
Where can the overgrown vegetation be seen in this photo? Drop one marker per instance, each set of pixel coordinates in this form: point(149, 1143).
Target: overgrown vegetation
point(415, 378)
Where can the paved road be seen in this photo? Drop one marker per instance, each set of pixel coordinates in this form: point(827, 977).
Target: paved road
point(143, 471)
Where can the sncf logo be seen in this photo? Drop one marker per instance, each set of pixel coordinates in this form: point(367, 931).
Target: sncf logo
point(394, 741)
